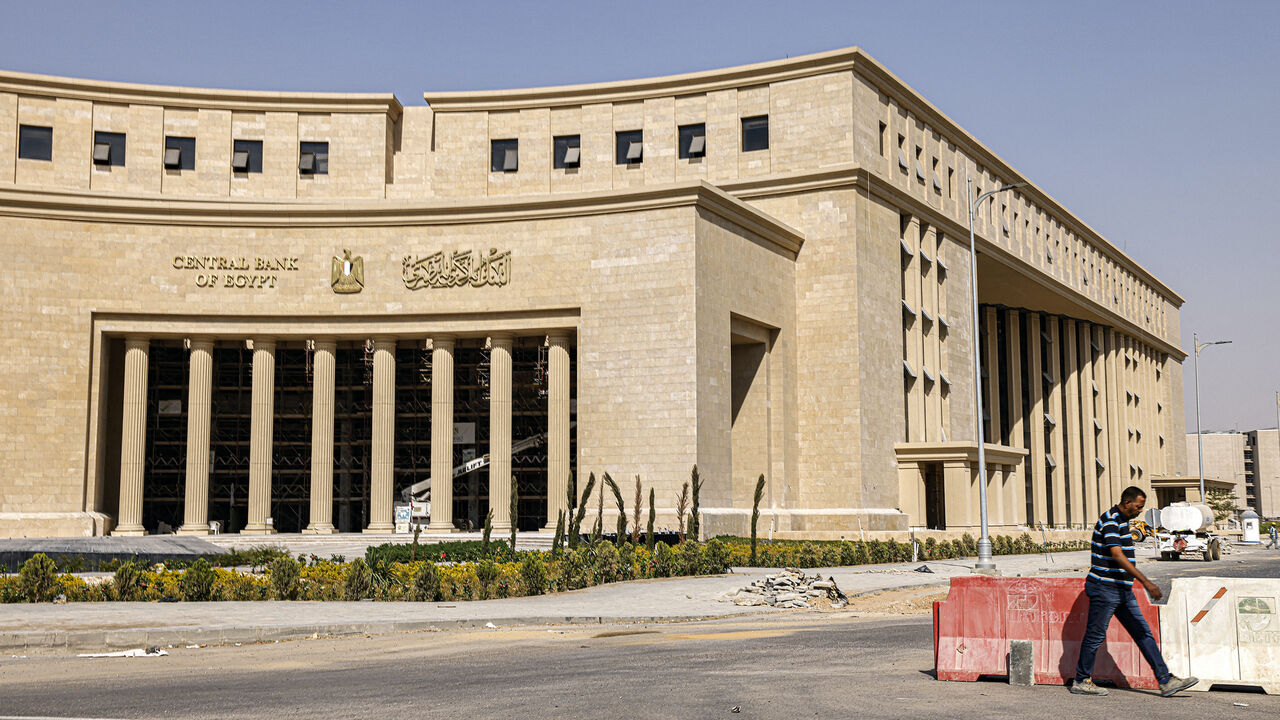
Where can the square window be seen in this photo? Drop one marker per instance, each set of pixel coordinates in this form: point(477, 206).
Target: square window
point(504, 155)
point(755, 133)
point(693, 141)
point(35, 143)
point(108, 148)
point(313, 158)
point(180, 153)
point(246, 156)
point(629, 147)
point(566, 152)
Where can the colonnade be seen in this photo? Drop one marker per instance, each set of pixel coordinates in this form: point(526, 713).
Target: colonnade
point(442, 347)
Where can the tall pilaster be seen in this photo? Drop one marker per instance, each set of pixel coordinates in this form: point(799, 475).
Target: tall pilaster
point(991, 384)
point(322, 374)
point(1088, 424)
point(500, 430)
point(133, 436)
point(195, 520)
point(384, 429)
point(1075, 476)
point(1035, 391)
point(557, 424)
point(441, 434)
point(261, 429)
point(1116, 426)
point(1053, 376)
point(1017, 485)
point(1102, 416)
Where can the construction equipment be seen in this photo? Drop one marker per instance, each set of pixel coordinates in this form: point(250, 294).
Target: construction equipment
point(1140, 531)
point(418, 495)
point(1188, 528)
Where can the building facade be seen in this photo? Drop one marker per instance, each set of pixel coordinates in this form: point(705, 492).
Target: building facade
point(1249, 461)
point(276, 311)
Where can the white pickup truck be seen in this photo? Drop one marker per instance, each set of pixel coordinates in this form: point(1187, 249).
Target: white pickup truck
point(1186, 528)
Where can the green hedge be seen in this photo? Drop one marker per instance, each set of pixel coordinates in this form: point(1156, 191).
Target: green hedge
point(457, 551)
point(530, 573)
point(836, 553)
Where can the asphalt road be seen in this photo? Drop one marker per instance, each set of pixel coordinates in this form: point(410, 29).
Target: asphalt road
point(786, 666)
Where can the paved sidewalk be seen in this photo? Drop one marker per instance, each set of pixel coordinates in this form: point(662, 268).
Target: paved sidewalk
point(96, 626)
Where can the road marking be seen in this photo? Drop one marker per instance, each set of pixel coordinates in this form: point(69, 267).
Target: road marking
point(1209, 605)
point(48, 717)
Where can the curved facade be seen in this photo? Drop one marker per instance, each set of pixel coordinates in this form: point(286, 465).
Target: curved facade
point(278, 311)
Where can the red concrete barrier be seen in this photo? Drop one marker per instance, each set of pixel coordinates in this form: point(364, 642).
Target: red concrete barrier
point(972, 629)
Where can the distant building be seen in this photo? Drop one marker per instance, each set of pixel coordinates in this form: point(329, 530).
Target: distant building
point(1249, 461)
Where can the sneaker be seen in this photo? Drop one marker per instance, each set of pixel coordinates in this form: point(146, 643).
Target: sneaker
point(1086, 687)
point(1176, 684)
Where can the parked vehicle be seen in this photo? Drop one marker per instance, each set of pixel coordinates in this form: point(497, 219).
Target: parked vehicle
point(1187, 528)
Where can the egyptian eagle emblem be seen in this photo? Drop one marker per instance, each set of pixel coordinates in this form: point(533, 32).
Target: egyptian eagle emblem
point(348, 273)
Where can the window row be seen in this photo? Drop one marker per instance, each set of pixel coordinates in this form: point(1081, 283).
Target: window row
point(566, 150)
point(36, 143)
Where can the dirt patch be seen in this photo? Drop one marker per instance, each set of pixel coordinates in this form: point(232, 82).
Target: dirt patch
point(906, 601)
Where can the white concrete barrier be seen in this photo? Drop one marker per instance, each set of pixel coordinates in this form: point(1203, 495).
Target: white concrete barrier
point(1223, 630)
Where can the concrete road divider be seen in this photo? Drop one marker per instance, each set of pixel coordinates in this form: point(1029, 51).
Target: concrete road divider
point(1224, 630)
point(974, 626)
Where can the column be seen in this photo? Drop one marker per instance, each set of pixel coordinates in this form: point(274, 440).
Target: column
point(1101, 415)
point(913, 336)
point(1088, 420)
point(383, 458)
point(1017, 486)
point(195, 520)
point(1057, 476)
point(322, 373)
point(441, 434)
point(500, 430)
point(991, 384)
point(930, 333)
point(261, 428)
point(133, 436)
point(1116, 431)
point(557, 424)
point(911, 494)
point(1074, 477)
point(1035, 391)
point(957, 491)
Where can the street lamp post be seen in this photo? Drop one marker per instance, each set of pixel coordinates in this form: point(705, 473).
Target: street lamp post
point(984, 543)
point(1195, 338)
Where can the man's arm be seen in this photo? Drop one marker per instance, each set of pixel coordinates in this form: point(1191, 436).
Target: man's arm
point(1117, 554)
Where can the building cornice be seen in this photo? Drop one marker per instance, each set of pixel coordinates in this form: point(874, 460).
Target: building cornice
point(103, 208)
point(200, 98)
point(641, 89)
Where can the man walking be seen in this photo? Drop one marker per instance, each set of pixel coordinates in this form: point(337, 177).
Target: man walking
point(1275, 543)
point(1110, 590)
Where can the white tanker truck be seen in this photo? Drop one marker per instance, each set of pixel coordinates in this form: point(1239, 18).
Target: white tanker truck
point(1186, 528)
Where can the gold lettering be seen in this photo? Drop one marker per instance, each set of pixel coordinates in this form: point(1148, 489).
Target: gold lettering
point(177, 262)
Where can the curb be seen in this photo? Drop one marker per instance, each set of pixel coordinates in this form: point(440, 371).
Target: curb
point(236, 635)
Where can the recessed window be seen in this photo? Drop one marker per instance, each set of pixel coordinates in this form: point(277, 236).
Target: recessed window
point(108, 148)
point(246, 156)
point(566, 152)
point(313, 158)
point(504, 155)
point(884, 132)
point(35, 142)
point(693, 141)
point(629, 147)
point(180, 153)
point(755, 133)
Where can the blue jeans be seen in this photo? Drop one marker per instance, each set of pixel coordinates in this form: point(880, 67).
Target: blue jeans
point(1107, 599)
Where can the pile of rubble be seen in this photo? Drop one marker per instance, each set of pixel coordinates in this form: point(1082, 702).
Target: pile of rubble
point(791, 588)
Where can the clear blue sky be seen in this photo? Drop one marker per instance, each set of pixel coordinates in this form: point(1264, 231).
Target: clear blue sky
point(1153, 121)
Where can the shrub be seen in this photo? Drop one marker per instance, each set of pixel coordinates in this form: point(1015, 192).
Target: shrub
point(533, 573)
point(715, 558)
point(38, 578)
point(457, 551)
point(608, 562)
point(285, 579)
point(359, 581)
point(486, 574)
point(129, 583)
point(197, 582)
point(426, 583)
point(664, 560)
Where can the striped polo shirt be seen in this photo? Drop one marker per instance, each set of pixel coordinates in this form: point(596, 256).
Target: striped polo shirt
point(1112, 530)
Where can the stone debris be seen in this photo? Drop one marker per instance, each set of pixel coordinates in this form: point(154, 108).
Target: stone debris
point(791, 588)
